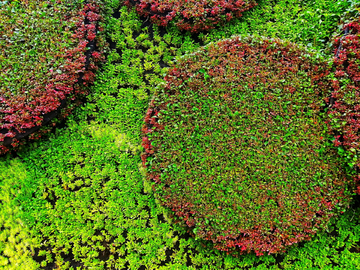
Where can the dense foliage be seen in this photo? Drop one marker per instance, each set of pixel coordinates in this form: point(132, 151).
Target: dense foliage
point(193, 15)
point(16, 244)
point(42, 59)
point(344, 111)
point(117, 103)
point(236, 143)
point(87, 202)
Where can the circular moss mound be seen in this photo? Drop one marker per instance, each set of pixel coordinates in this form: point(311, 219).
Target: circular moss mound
point(192, 15)
point(236, 145)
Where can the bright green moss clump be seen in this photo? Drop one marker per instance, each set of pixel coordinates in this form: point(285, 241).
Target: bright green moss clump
point(16, 244)
point(85, 206)
point(237, 147)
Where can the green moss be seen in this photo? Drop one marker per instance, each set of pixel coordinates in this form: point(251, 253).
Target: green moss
point(311, 23)
point(87, 199)
point(16, 243)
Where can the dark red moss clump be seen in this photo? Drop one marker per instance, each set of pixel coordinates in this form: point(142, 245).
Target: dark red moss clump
point(236, 145)
point(191, 15)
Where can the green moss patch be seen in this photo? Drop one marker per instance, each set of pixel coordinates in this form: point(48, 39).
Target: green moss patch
point(16, 243)
point(85, 205)
point(236, 144)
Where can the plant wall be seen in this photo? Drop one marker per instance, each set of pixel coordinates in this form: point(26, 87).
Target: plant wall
point(99, 131)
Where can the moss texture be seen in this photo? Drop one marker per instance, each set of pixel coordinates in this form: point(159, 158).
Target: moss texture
point(116, 105)
point(43, 62)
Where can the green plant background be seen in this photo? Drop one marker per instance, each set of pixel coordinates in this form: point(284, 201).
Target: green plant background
point(78, 200)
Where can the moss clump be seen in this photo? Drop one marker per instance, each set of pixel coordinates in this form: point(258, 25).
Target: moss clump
point(43, 63)
point(192, 15)
point(237, 147)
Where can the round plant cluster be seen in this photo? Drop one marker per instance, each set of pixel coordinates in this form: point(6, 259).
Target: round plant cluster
point(192, 15)
point(344, 109)
point(237, 148)
point(43, 63)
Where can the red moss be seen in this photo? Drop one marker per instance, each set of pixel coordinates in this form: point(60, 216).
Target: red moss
point(23, 113)
point(344, 111)
point(193, 131)
point(191, 15)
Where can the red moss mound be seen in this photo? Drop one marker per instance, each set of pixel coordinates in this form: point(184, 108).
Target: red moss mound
point(192, 15)
point(344, 111)
point(235, 145)
point(50, 58)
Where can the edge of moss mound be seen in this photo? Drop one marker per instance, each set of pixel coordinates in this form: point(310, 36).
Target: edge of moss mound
point(237, 147)
point(191, 15)
point(45, 63)
point(344, 108)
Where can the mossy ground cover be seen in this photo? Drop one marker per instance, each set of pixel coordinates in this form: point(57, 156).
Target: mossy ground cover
point(85, 181)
